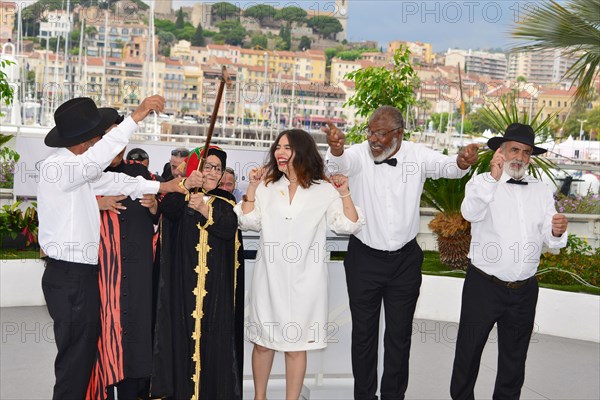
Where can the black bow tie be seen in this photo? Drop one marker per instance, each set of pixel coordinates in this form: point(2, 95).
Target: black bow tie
point(516, 182)
point(390, 161)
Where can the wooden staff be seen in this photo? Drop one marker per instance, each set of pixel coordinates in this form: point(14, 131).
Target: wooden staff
point(225, 80)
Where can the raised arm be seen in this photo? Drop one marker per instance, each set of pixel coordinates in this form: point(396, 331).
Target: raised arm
point(338, 160)
point(88, 167)
point(479, 192)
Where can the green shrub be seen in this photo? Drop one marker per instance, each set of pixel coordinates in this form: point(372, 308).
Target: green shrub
point(14, 222)
point(576, 258)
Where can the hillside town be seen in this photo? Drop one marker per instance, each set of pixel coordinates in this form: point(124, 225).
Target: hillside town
point(288, 65)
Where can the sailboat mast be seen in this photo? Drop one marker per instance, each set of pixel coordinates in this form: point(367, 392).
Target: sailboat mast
point(462, 106)
point(67, 37)
point(154, 78)
point(106, 44)
point(21, 60)
point(80, 56)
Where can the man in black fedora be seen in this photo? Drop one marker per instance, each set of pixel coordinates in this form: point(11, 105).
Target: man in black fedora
point(512, 215)
point(86, 139)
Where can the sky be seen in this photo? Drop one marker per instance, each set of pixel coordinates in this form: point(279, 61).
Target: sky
point(445, 24)
point(465, 24)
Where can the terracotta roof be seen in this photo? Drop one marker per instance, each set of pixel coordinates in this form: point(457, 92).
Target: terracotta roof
point(251, 51)
point(95, 61)
point(222, 60)
point(557, 92)
point(252, 67)
point(502, 91)
point(219, 47)
point(169, 61)
point(286, 53)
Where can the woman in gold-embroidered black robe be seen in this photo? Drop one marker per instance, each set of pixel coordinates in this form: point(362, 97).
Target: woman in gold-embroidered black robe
point(198, 350)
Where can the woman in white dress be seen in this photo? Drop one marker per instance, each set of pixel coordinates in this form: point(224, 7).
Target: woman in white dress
point(292, 202)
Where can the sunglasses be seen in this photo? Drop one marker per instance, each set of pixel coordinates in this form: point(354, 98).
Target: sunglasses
point(180, 153)
point(138, 156)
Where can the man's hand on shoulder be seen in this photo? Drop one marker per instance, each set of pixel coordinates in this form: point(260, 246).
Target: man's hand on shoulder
point(172, 186)
point(335, 139)
point(150, 104)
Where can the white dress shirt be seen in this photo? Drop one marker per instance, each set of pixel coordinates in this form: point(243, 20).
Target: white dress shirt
point(509, 224)
point(390, 196)
point(69, 219)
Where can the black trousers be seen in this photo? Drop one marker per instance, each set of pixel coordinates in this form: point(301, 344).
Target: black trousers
point(130, 389)
point(73, 299)
point(395, 278)
point(485, 303)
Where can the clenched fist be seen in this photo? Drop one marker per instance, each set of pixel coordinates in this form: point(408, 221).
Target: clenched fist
point(559, 225)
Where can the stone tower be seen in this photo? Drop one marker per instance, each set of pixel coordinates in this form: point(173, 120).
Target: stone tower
point(342, 16)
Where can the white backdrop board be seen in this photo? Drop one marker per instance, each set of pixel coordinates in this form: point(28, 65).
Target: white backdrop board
point(33, 151)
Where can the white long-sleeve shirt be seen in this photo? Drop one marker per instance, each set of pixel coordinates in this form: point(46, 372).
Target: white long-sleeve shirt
point(390, 196)
point(509, 224)
point(69, 219)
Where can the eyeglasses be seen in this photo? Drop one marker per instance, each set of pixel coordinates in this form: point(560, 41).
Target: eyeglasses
point(209, 167)
point(380, 135)
point(180, 153)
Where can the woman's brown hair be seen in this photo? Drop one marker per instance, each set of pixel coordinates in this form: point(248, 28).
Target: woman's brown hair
point(308, 163)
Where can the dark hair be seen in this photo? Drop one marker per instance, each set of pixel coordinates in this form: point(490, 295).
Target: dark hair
point(137, 154)
point(180, 152)
point(308, 163)
point(230, 170)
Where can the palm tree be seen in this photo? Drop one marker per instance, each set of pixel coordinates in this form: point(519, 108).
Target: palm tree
point(452, 230)
point(446, 195)
point(574, 29)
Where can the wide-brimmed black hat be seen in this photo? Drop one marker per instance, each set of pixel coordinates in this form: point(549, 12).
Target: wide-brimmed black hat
point(517, 133)
point(79, 120)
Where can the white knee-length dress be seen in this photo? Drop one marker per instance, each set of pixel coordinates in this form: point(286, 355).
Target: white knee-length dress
point(288, 305)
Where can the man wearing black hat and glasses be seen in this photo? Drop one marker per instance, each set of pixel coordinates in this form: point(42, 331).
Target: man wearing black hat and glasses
point(69, 225)
point(512, 215)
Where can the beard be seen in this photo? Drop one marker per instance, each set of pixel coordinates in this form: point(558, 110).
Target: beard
point(387, 151)
point(515, 169)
